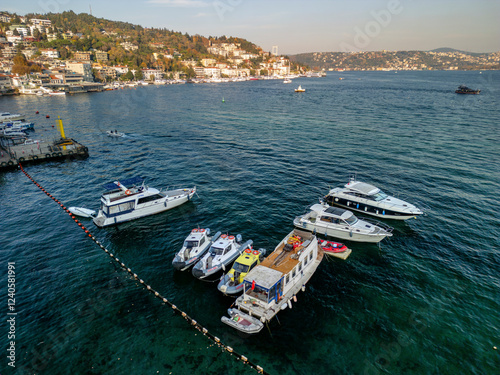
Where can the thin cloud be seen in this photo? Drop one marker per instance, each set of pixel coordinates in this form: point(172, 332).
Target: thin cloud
point(181, 3)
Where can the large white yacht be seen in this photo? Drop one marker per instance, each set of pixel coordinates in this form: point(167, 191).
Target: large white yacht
point(273, 284)
point(130, 199)
point(368, 199)
point(339, 223)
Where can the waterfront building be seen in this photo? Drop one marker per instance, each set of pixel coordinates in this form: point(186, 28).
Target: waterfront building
point(81, 68)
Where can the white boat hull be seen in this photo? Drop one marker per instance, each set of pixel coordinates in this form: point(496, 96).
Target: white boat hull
point(344, 234)
point(80, 211)
point(148, 209)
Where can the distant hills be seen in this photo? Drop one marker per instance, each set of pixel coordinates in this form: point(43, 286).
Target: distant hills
point(439, 59)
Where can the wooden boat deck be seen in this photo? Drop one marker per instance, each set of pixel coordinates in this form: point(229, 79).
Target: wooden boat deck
point(285, 261)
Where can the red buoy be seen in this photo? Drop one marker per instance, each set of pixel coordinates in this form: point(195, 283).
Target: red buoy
point(37, 112)
point(47, 116)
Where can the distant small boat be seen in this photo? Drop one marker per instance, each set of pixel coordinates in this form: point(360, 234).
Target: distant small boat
point(114, 133)
point(465, 90)
point(300, 89)
point(80, 211)
point(287, 80)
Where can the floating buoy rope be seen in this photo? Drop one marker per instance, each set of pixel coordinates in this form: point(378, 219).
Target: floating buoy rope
point(190, 320)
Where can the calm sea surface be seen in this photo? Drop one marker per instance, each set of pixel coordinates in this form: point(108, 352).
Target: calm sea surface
point(426, 302)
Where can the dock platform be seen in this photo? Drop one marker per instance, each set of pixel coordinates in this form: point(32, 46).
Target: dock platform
point(13, 154)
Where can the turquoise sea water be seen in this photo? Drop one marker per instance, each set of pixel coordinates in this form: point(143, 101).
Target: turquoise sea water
point(426, 302)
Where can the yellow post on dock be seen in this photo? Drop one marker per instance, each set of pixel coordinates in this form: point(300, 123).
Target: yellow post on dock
point(60, 127)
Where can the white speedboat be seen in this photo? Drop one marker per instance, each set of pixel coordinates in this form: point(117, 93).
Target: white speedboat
point(370, 200)
point(19, 125)
point(194, 247)
point(273, 285)
point(339, 223)
point(222, 253)
point(13, 133)
point(130, 199)
point(9, 117)
point(81, 211)
point(114, 133)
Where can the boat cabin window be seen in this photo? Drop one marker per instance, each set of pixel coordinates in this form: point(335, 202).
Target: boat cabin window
point(305, 261)
point(202, 241)
point(256, 292)
point(328, 219)
point(238, 267)
point(118, 208)
point(352, 220)
point(310, 256)
point(190, 243)
point(380, 196)
point(287, 279)
point(294, 272)
point(218, 250)
point(149, 199)
point(300, 267)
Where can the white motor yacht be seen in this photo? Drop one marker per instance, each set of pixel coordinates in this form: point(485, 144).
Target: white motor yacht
point(339, 223)
point(130, 199)
point(370, 200)
point(194, 247)
point(273, 284)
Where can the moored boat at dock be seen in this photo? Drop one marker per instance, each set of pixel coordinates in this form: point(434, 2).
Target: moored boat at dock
point(339, 223)
point(194, 247)
point(370, 200)
point(222, 253)
point(130, 199)
point(272, 285)
point(9, 117)
point(232, 282)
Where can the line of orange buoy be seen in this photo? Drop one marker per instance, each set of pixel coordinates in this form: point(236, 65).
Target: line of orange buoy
point(191, 321)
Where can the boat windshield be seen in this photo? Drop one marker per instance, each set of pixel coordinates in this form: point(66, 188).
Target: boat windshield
point(190, 243)
point(217, 251)
point(238, 267)
point(352, 220)
point(379, 196)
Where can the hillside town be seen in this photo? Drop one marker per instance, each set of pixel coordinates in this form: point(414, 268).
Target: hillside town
point(445, 59)
point(80, 53)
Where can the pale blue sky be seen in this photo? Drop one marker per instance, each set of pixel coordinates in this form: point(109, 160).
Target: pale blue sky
point(307, 26)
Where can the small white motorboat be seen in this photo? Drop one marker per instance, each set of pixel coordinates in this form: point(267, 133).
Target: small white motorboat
point(221, 255)
point(300, 89)
point(195, 246)
point(114, 133)
point(81, 211)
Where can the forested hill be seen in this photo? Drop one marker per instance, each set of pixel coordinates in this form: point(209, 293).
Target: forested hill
point(106, 35)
